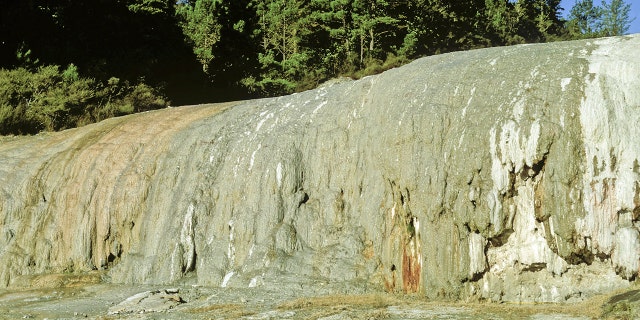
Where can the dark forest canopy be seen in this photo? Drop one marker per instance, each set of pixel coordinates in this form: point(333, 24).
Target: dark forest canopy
point(152, 51)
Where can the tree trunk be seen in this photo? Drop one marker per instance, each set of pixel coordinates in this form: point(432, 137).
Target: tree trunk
point(361, 48)
point(371, 42)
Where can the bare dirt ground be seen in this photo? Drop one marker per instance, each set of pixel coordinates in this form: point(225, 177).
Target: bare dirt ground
point(66, 297)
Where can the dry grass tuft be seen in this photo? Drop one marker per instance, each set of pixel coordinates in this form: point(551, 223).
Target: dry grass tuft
point(371, 301)
point(231, 310)
point(592, 307)
point(57, 280)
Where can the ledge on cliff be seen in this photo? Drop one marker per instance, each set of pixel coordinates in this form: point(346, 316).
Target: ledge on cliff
point(505, 174)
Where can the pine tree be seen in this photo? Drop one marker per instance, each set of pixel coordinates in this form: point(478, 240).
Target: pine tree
point(332, 36)
point(498, 20)
point(281, 27)
point(538, 20)
point(443, 26)
point(199, 22)
point(584, 19)
point(615, 17)
point(371, 23)
point(587, 20)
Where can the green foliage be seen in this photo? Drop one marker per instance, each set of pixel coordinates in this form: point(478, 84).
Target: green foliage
point(46, 99)
point(152, 7)
point(71, 73)
point(204, 50)
point(615, 17)
point(409, 44)
point(587, 20)
point(283, 58)
point(371, 20)
point(23, 57)
point(304, 43)
point(128, 39)
point(199, 22)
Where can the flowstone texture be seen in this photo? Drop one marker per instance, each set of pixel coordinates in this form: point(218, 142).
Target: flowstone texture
point(507, 174)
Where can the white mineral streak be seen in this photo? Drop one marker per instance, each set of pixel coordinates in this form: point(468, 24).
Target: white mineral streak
point(609, 115)
point(518, 107)
point(513, 152)
point(226, 279)
point(253, 157)
point(549, 294)
point(322, 104)
point(626, 251)
point(253, 283)
point(279, 174)
point(471, 94)
point(187, 239)
point(564, 82)
point(231, 250)
point(478, 261)
point(500, 179)
point(261, 123)
point(417, 240)
point(393, 211)
point(527, 244)
point(509, 154)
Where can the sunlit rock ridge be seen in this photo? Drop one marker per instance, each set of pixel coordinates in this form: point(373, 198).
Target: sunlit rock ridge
point(508, 174)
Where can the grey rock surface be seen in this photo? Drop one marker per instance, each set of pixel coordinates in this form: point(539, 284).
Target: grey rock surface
point(506, 174)
point(148, 301)
point(623, 306)
point(99, 301)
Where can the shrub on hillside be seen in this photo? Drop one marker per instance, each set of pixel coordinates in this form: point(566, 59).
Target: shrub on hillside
point(48, 99)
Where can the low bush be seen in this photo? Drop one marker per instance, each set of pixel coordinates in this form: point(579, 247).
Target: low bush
point(49, 99)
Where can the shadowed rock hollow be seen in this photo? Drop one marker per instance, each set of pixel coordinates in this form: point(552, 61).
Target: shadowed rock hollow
point(507, 174)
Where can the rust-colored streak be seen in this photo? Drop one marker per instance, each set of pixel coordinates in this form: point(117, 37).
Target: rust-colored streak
point(390, 285)
point(411, 270)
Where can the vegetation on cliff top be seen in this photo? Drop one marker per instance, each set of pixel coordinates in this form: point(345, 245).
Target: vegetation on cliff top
point(68, 63)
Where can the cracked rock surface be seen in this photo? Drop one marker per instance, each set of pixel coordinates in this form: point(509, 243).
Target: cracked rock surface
point(505, 174)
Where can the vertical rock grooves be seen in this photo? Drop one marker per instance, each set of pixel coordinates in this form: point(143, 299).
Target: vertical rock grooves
point(506, 174)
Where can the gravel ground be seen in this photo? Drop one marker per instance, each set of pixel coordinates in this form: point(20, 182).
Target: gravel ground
point(105, 301)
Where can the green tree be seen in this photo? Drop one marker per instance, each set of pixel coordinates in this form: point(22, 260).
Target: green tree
point(221, 33)
point(372, 22)
point(499, 22)
point(444, 26)
point(615, 18)
point(282, 25)
point(587, 20)
point(332, 36)
point(538, 20)
point(584, 19)
point(199, 22)
point(237, 50)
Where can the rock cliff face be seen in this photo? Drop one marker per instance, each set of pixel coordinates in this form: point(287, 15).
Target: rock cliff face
point(505, 174)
